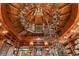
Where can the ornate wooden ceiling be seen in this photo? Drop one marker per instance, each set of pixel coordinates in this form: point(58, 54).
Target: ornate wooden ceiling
point(37, 14)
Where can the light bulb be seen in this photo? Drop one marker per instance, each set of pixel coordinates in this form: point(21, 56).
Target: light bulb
point(65, 37)
point(38, 39)
point(4, 31)
point(73, 31)
point(78, 23)
point(46, 43)
point(0, 24)
point(31, 43)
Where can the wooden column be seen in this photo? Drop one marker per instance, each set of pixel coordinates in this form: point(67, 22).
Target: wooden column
point(1, 43)
point(10, 52)
point(32, 50)
point(43, 51)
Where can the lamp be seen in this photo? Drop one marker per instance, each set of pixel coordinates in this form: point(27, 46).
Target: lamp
point(78, 23)
point(46, 43)
point(4, 31)
point(31, 43)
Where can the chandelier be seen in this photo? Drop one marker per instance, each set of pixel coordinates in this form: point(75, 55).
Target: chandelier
point(47, 29)
point(39, 12)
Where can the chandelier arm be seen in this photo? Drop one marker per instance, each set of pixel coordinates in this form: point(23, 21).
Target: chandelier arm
point(55, 23)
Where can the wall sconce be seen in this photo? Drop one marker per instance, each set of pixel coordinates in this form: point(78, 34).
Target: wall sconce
point(78, 23)
point(65, 37)
point(4, 31)
point(46, 43)
point(0, 24)
point(73, 31)
point(31, 43)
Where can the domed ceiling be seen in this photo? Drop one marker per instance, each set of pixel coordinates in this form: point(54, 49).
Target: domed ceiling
point(31, 19)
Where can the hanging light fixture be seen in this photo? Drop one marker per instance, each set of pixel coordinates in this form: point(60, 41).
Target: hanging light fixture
point(38, 11)
point(56, 48)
